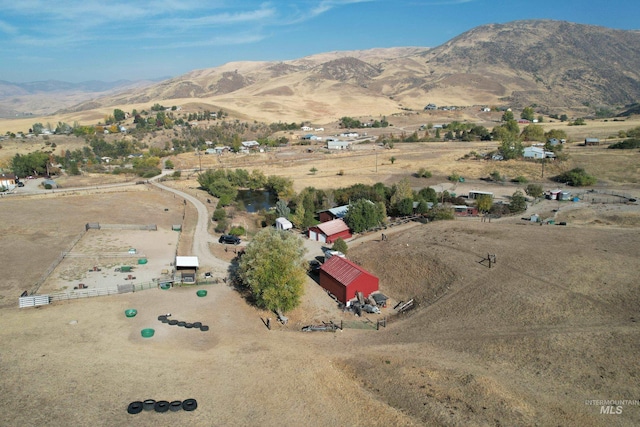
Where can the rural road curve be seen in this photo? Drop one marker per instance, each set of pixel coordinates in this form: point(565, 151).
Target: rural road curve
point(201, 238)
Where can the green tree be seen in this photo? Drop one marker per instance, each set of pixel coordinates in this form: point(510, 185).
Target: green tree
point(534, 190)
point(423, 207)
point(219, 214)
point(484, 203)
point(37, 128)
point(518, 202)
point(119, 115)
point(30, 164)
point(282, 210)
point(340, 246)
point(274, 269)
point(400, 191)
point(508, 116)
point(527, 113)
point(405, 206)
point(511, 148)
point(364, 214)
point(532, 133)
point(440, 213)
point(168, 164)
point(313, 170)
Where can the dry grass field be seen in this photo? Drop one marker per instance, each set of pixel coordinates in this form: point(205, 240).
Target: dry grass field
point(553, 323)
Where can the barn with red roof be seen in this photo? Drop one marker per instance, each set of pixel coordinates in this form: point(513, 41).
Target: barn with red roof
point(330, 231)
point(344, 279)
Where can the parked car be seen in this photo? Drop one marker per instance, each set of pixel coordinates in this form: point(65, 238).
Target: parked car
point(229, 239)
point(314, 266)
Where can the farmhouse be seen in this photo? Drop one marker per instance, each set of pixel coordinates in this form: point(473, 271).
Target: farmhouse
point(330, 231)
point(344, 279)
point(333, 213)
point(533, 153)
point(7, 180)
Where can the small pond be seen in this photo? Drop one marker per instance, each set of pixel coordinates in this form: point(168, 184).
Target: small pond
point(255, 200)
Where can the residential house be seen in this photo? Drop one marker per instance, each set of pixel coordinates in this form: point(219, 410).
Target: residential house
point(533, 153)
point(8, 181)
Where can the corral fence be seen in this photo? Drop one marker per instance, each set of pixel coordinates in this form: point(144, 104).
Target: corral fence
point(55, 264)
point(332, 326)
point(98, 292)
point(606, 196)
point(98, 226)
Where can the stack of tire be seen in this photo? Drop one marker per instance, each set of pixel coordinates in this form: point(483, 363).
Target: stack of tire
point(173, 322)
point(162, 406)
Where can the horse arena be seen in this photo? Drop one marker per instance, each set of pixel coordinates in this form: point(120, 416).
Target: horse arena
point(95, 261)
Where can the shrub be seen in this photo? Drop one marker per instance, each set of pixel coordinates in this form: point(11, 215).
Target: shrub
point(219, 214)
point(520, 180)
point(576, 177)
point(423, 173)
point(237, 230)
point(626, 145)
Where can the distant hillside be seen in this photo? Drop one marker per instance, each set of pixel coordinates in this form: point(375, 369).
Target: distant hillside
point(46, 97)
point(558, 66)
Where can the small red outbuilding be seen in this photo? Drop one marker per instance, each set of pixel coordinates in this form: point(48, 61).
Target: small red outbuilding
point(343, 279)
point(330, 231)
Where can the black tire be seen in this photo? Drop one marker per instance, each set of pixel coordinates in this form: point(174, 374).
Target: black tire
point(181, 323)
point(189, 405)
point(161, 318)
point(148, 404)
point(161, 406)
point(197, 324)
point(204, 328)
point(165, 320)
point(188, 325)
point(135, 408)
point(176, 405)
point(173, 322)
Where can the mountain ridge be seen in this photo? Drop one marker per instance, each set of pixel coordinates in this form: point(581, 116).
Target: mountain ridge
point(558, 66)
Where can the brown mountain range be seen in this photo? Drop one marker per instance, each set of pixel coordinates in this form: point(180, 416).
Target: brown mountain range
point(558, 66)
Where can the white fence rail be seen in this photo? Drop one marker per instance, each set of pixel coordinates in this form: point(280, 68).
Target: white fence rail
point(83, 293)
point(32, 301)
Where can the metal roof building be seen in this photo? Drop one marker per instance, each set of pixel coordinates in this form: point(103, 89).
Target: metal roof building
point(344, 279)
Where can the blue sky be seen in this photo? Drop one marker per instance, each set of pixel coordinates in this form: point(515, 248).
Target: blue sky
point(76, 41)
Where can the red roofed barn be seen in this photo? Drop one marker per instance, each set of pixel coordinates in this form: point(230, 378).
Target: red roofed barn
point(330, 231)
point(343, 279)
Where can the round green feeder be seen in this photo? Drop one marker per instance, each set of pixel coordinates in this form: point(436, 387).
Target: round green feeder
point(165, 286)
point(142, 261)
point(201, 293)
point(131, 312)
point(147, 333)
